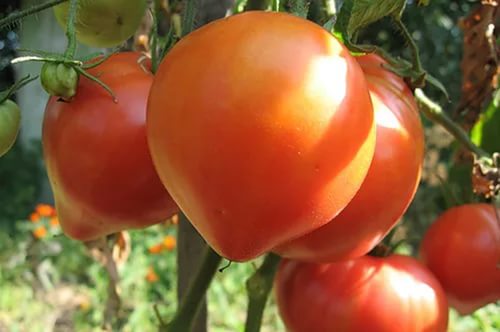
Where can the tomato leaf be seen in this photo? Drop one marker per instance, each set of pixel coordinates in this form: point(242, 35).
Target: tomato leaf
point(355, 14)
point(485, 133)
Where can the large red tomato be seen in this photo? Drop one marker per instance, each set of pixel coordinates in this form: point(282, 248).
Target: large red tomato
point(261, 127)
point(97, 156)
point(462, 248)
point(391, 294)
point(391, 182)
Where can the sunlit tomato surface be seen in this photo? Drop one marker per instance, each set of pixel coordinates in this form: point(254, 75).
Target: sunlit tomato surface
point(97, 157)
point(462, 248)
point(391, 182)
point(393, 294)
point(261, 128)
point(103, 23)
point(10, 122)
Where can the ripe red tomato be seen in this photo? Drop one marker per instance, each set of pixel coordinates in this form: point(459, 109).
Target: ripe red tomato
point(261, 127)
point(462, 248)
point(391, 182)
point(391, 294)
point(97, 156)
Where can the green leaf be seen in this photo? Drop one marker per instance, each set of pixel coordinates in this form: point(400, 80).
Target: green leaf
point(355, 14)
point(486, 132)
point(457, 190)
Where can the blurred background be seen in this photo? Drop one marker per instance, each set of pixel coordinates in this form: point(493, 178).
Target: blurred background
point(51, 283)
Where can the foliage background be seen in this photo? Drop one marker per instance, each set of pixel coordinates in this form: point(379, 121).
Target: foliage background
point(43, 283)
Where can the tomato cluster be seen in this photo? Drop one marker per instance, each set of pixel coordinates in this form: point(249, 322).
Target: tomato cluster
point(269, 135)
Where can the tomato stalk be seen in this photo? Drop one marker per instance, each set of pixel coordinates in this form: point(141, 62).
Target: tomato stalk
point(154, 43)
point(190, 305)
point(329, 7)
point(257, 4)
point(417, 64)
point(188, 16)
point(259, 286)
point(70, 30)
point(4, 95)
point(299, 7)
point(16, 16)
point(435, 113)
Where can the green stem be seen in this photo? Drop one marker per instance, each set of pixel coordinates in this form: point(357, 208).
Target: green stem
point(259, 286)
point(154, 43)
point(257, 4)
point(12, 18)
point(299, 7)
point(188, 16)
point(4, 95)
point(321, 11)
point(70, 30)
point(188, 309)
point(417, 65)
point(329, 7)
point(435, 113)
point(276, 5)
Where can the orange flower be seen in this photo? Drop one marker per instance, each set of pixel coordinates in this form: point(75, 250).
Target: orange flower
point(45, 210)
point(174, 220)
point(54, 222)
point(151, 276)
point(156, 249)
point(40, 232)
point(34, 217)
point(169, 242)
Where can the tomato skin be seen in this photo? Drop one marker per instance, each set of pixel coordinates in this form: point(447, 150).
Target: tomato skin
point(97, 157)
point(395, 293)
point(10, 122)
point(462, 248)
point(103, 23)
point(391, 182)
point(261, 127)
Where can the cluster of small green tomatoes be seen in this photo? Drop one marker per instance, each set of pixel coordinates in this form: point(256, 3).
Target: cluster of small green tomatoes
point(269, 136)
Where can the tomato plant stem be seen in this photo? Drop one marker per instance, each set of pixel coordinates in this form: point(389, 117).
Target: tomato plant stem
point(70, 30)
point(257, 4)
point(190, 305)
point(4, 95)
point(329, 7)
point(436, 114)
point(154, 43)
point(417, 65)
point(188, 16)
point(16, 16)
point(299, 7)
point(259, 286)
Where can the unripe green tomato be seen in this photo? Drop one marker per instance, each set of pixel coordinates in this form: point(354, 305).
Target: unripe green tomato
point(59, 80)
point(10, 121)
point(103, 23)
